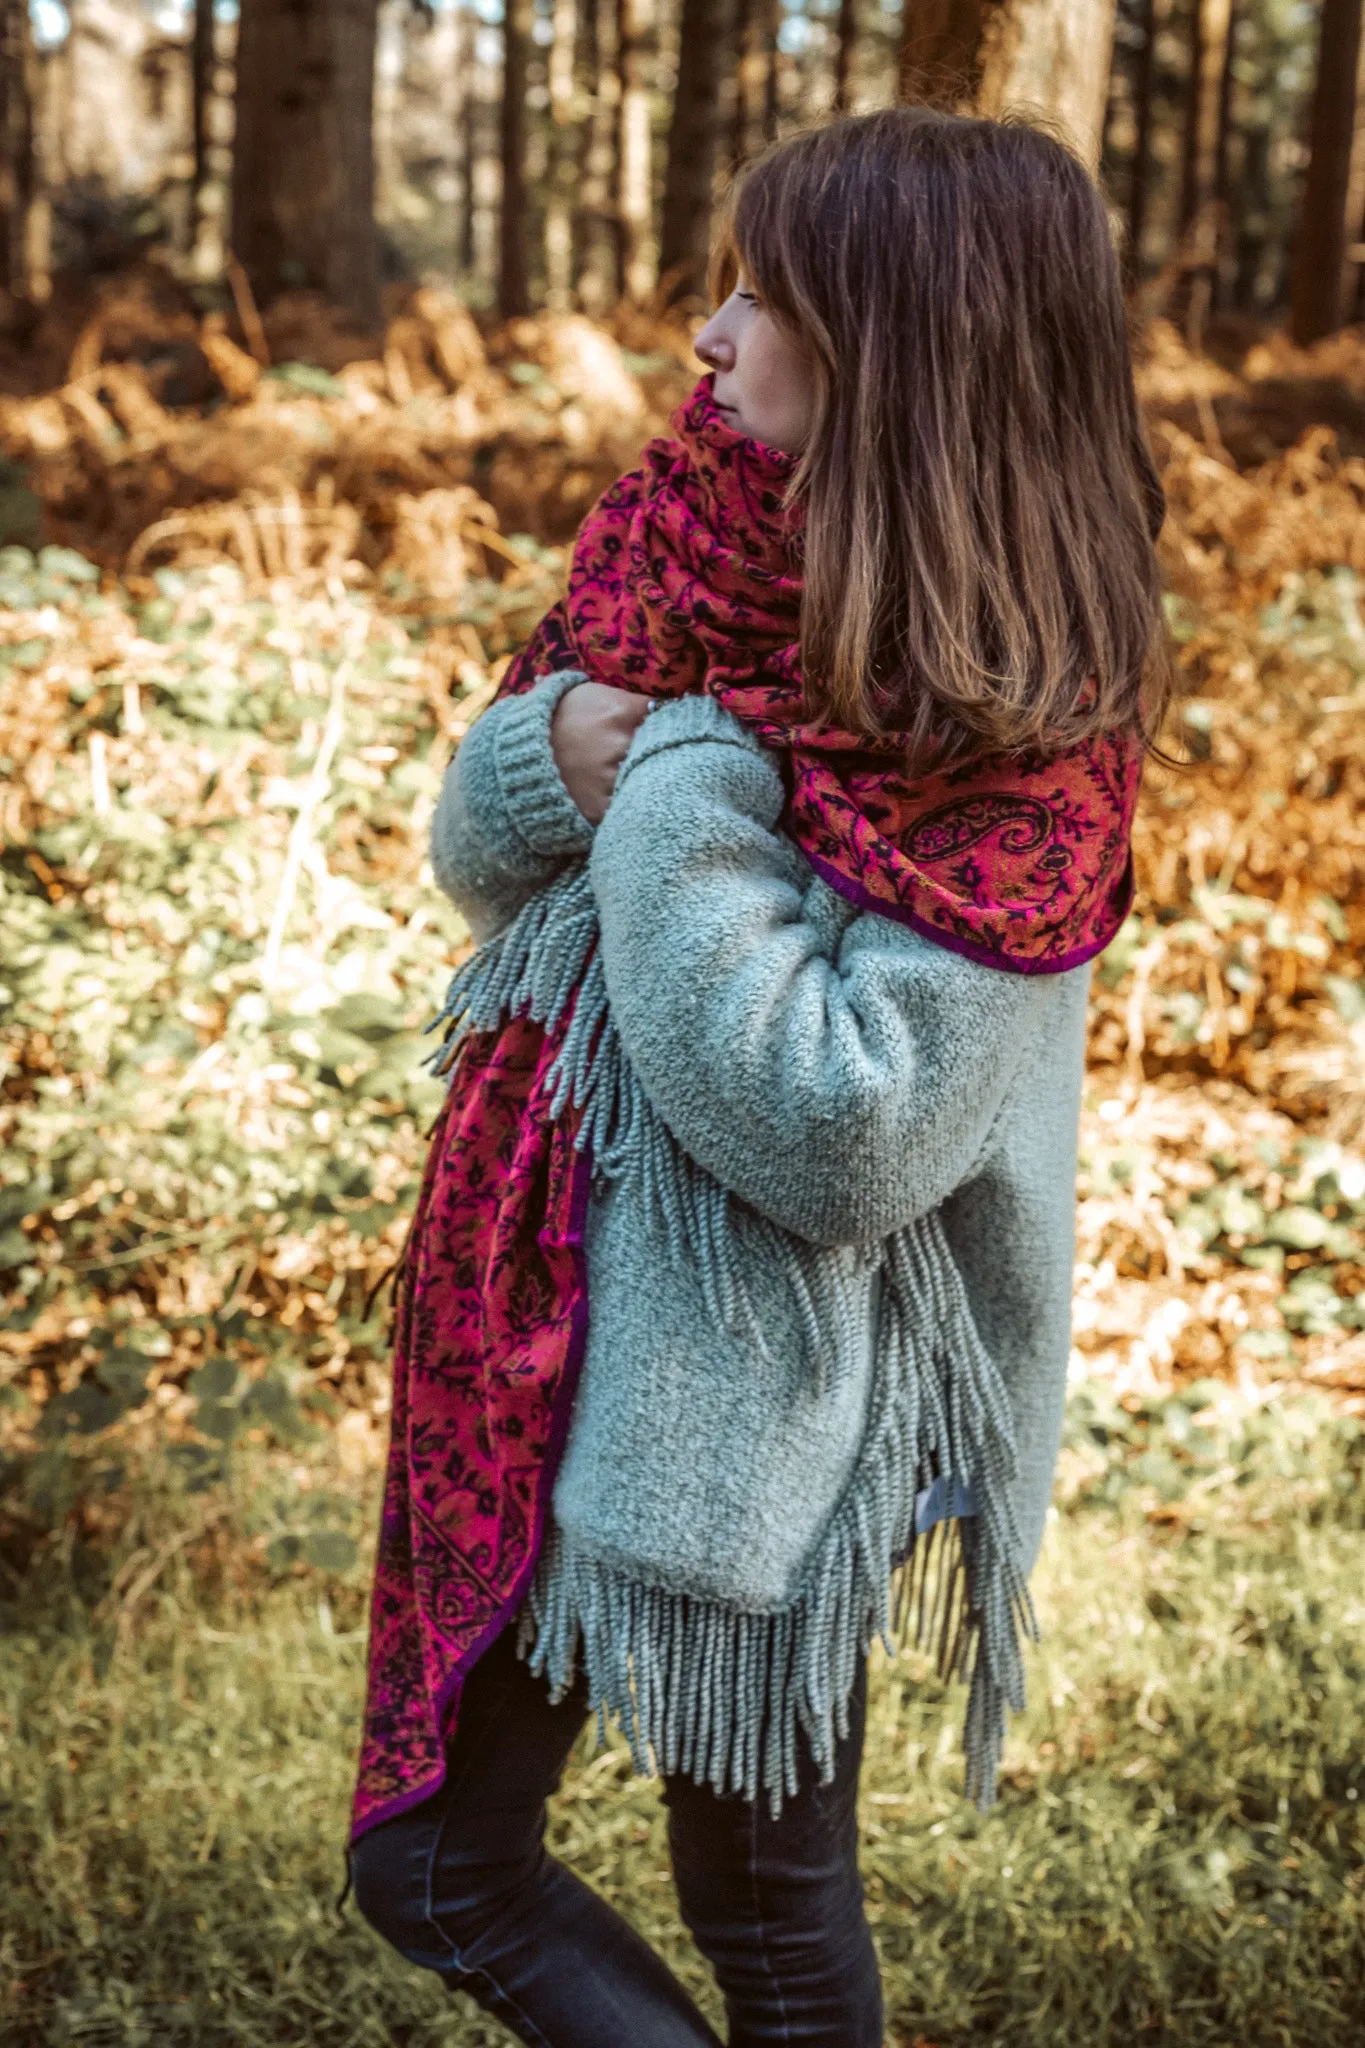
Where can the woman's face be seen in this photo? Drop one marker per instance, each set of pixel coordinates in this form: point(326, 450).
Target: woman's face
point(764, 380)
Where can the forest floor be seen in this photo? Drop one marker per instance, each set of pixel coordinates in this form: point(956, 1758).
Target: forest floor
point(271, 600)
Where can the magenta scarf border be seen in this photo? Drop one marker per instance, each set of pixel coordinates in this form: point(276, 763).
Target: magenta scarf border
point(862, 898)
point(448, 1699)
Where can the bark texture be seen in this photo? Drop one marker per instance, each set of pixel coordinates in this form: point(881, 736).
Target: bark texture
point(303, 168)
point(1316, 296)
point(514, 276)
point(595, 240)
point(470, 118)
point(17, 157)
point(693, 136)
point(1209, 50)
point(563, 158)
point(1139, 181)
point(940, 61)
point(754, 42)
point(1051, 56)
point(633, 153)
point(201, 89)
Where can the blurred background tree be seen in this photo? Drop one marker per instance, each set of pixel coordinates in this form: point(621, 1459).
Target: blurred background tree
point(569, 153)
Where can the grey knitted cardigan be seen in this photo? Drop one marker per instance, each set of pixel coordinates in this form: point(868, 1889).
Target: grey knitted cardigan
point(829, 1250)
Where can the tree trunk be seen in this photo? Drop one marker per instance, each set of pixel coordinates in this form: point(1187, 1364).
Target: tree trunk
point(742, 97)
point(18, 155)
point(846, 42)
point(1353, 273)
point(559, 253)
point(940, 54)
point(1315, 292)
point(514, 278)
point(469, 138)
point(1050, 55)
point(1139, 177)
point(685, 229)
point(1209, 49)
point(634, 181)
point(595, 226)
point(770, 24)
point(201, 102)
point(303, 161)
point(1053, 55)
point(1252, 217)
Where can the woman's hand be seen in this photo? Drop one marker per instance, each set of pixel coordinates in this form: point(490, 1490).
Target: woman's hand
point(593, 727)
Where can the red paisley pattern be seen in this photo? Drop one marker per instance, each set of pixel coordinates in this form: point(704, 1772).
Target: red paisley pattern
point(685, 577)
point(492, 1314)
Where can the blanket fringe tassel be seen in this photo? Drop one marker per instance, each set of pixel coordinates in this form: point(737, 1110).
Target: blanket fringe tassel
point(699, 1687)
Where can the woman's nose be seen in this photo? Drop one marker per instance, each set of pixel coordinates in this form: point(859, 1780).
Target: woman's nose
point(716, 350)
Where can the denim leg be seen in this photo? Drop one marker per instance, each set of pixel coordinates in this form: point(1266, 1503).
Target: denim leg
point(776, 1906)
point(463, 1885)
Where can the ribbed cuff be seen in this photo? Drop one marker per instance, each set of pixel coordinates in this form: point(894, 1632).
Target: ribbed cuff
point(538, 804)
point(682, 722)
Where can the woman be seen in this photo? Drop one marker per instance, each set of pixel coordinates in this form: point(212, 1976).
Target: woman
point(738, 1292)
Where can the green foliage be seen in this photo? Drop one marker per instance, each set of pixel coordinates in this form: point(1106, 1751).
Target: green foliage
point(212, 1131)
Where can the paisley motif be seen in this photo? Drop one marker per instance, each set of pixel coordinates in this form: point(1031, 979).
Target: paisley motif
point(1022, 822)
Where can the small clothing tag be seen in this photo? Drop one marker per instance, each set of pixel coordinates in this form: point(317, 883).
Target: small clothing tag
point(948, 1499)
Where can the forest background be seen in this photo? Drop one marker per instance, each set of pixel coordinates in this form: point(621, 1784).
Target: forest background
point(322, 325)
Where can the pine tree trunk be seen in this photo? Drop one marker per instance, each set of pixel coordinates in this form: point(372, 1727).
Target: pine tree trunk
point(514, 279)
point(754, 42)
point(201, 102)
point(846, 40)
point(303, 161)
point(770, 16)
point(1252, 216)
point(940, 55)
point(559, 250)
point(634, 196)
point(1139, 177)
point(594, 225)
point(469, 138)
point(685, 228)
point(1210, 33)
point(1315, 293)
point(1353, 272)
point(1052, 55)
point(18, 157)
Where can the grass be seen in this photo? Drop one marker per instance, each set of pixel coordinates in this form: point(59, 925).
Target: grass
point(1177, 1857)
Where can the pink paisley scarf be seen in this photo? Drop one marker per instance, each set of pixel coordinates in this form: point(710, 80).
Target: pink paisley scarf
point(684, 577)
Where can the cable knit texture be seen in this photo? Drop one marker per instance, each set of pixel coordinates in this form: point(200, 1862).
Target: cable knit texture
point(890, 1129)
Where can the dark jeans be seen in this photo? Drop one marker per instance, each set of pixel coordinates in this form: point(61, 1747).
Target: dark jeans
point(464, 1886)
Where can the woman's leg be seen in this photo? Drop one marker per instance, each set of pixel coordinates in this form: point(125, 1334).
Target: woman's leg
point(776, 1906)
point(463, 1885)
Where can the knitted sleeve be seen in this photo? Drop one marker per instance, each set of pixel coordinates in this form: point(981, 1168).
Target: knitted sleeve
point(837, 1071)
point(505, 824)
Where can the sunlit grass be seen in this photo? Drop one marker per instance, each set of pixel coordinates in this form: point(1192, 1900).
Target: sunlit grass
point(1176, 1856)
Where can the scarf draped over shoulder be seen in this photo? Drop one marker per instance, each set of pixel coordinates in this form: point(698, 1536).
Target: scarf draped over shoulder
point(685, 577)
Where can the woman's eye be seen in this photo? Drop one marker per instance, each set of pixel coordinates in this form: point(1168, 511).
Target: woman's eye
point(749, 298)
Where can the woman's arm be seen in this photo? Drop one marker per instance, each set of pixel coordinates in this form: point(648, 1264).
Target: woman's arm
point(505, 823)
point(841, 1078)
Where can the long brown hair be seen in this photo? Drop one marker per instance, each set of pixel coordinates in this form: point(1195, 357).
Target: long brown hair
point(979, 500)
